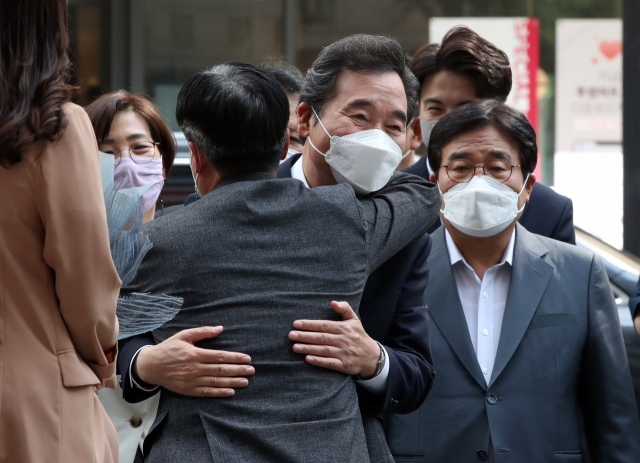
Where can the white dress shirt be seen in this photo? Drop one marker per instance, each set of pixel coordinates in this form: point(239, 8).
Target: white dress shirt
point(378, 384)
point(483, 301)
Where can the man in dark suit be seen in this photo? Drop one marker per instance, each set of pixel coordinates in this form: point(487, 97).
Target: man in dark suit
point(518, 355)
point(239, 274)
point(463, 68)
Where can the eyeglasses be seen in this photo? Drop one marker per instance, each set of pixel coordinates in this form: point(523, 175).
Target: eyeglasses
point(463, 170)
point(141, 152)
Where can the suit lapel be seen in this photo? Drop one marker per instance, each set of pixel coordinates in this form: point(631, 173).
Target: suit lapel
point(445, 307)
point(284, 171)
point(530, 277)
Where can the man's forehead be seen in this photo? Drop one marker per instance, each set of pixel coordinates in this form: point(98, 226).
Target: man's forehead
point(370, 89)
point(484, 140)
point(450, 88)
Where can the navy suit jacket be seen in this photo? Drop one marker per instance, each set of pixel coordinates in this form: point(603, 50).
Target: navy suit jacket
point(392, 311)
point(547, 213)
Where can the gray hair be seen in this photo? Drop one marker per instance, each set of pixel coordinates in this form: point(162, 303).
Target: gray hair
point(359, 53)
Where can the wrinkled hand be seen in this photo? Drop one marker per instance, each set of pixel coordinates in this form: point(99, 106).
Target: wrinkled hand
point(342, 346)
point(176, 364)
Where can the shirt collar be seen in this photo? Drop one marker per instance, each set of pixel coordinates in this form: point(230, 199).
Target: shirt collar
point(455, 255)
point(297, 172)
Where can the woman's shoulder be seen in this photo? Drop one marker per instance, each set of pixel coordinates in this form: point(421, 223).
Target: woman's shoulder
point(78, 124)
point(76, 115)
point(77, 140)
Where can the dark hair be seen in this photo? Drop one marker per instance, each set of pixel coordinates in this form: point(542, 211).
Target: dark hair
point(33, 67)
point(485, 113)
point(358, 53)
point(465, 52)
point(238, 115)
point(289, 76)
point(104, 110)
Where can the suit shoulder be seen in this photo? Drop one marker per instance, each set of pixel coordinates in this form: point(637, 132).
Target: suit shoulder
point(418, 168)
point(168, 224)
point(561, 251)
point(542, 192)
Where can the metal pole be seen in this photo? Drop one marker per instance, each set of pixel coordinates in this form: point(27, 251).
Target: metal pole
point(118, 45)
point(137, 42)
point(631, 125)
point(290, 22)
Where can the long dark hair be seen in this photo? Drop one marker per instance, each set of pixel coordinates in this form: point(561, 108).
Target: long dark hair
point(33, 67)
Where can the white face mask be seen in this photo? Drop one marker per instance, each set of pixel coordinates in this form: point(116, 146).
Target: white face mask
point(365, 160)
point(427, 127)
point(481, 207)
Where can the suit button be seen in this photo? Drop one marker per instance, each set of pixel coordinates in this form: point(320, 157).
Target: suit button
point(482, 455)
point(492, 399)
point(135, 421)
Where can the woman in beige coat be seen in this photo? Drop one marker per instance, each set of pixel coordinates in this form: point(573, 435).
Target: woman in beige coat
point(58, 284)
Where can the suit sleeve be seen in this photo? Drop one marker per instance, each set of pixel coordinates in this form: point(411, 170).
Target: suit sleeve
point(396, 215)
point(76, 247)
point(407, 343)
point(607, 398)
point(634, 302)
point(128, 349)
point(564, 230)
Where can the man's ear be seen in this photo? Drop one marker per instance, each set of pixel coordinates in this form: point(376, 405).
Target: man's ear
point(305, 114)
point(432, 178)
point(416, 141)
point(286, 146)
point(529, 186)
point(196, 160)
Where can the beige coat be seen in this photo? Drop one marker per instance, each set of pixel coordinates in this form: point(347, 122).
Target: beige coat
point(58, 291)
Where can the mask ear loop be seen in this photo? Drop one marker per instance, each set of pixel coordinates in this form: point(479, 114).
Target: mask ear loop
point(323, 128)
point(195, 180)
point(523, 187)
point(410, 150)
point(441, 193)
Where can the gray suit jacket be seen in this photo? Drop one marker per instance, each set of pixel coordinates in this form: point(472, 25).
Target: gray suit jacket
point(225, 256)
point(560, 349)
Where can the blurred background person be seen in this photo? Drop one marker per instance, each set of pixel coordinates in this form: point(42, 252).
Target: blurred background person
point(130, 127)
point(291, 80)
point(463, 68)
point(59, 285)
point(413, 141)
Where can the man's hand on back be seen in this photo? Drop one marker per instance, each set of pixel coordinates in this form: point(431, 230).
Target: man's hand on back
point(176, 364)
point(343, 346)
